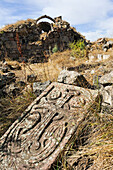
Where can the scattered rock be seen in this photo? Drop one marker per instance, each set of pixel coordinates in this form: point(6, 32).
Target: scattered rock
point(11, 90)
point(4, 69)
point(74, 78)
point(15, 67)
point(31, 78)
point(101, 41)
point(106, 79)
point(7, 78)
point(107, 94)
point(91, 57)
point(105, 57)
point(21, 83)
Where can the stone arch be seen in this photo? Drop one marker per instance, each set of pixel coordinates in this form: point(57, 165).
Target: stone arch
point(45, 16)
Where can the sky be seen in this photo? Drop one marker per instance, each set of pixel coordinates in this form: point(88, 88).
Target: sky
point(92, 18)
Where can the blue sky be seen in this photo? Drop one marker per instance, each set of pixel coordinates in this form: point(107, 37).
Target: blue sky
point(93, 18)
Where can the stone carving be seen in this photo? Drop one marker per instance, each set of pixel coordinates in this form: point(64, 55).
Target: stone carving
point(35, 140)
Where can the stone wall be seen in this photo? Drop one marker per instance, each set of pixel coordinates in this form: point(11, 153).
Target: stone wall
point(30, 39)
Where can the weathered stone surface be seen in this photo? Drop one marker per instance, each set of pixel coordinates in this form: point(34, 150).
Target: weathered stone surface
point(4, 69)
point(12, 90)
point(27, 38)
point(107, 94)
point(107, 79)
point(36, 139)
point(39, 87)
point(74, 78)
point(7, 78)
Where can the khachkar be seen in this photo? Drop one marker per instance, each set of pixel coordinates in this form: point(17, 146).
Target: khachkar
point(36, 139)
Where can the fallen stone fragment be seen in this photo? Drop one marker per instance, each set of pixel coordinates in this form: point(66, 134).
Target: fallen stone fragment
point(105, 57)
point(45, 129)
point(73, 78)
point(106, 79)
point(107, 94)
point(7, 78)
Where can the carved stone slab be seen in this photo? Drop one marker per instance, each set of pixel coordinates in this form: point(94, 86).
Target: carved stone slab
point(35, 140)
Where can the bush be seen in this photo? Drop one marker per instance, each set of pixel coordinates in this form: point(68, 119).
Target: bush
point(78, 49)
point(55, 49)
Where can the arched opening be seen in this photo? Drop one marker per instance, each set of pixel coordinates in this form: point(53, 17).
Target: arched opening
point(44, 26)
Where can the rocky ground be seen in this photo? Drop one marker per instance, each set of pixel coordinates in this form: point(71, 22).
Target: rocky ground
point(20, 83)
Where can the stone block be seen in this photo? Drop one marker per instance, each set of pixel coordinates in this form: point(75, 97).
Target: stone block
point(44, 130)
point(105, 57)
point(107, 94)
point(107, 79)
point(74, 78)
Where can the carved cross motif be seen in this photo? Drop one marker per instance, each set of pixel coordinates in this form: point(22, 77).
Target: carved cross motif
point(37, 138)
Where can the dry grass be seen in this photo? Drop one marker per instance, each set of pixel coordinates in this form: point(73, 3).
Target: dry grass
point(51, 69)
point(11, 108)
point(92, 146)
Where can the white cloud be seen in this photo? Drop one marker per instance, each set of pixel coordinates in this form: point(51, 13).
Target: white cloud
point(77, 12)
point(93, 35)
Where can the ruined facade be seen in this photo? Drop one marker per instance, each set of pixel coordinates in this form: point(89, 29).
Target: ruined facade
point(33, 37)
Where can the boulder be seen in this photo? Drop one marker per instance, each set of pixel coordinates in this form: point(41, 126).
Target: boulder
point(73, 78)
point(106, 79)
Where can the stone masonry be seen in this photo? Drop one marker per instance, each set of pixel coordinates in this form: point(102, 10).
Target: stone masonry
point(35, 40)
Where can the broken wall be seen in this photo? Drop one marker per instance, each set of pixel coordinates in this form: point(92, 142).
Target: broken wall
point(28, 40)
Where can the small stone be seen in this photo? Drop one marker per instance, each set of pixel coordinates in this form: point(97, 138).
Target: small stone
point(31, 78)
point(107, 79)
point(91, 57)
point(99, 56)
point(105, 57)
point(4, 69)
point(107, 94)
point(105, 49)
point(92, 71)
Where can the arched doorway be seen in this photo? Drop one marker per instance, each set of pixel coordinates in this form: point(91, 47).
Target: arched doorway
point(44, 26)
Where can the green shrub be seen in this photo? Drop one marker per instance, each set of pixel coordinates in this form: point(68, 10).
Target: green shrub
point(55, 49)
point(78, 49)
point(1, 32)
